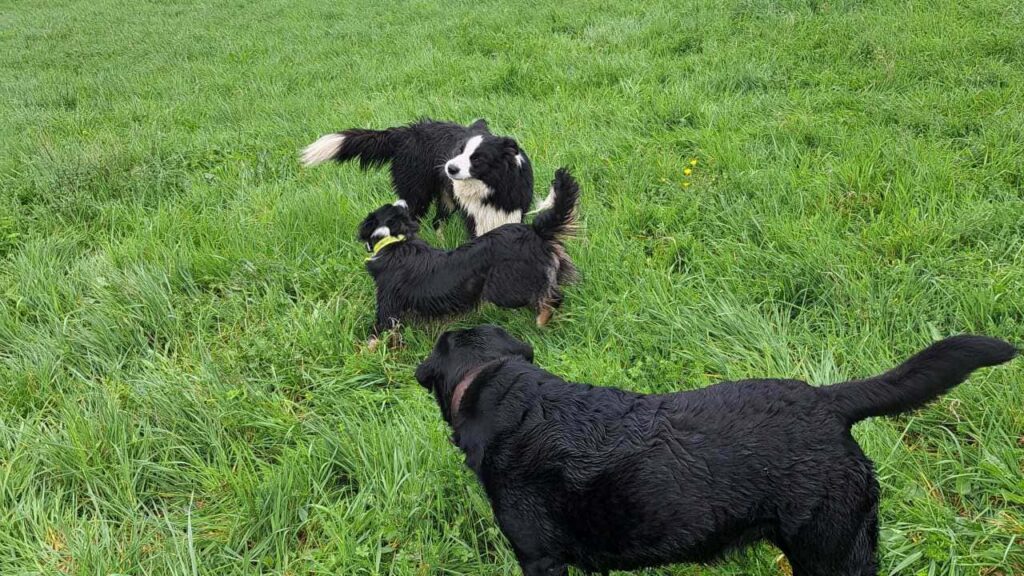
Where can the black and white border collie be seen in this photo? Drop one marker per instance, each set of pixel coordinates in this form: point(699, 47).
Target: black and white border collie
point(608, 479)
point(514, 266)
point(489, 176)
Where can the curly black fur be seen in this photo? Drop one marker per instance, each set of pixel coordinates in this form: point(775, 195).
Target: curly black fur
point(605, 479)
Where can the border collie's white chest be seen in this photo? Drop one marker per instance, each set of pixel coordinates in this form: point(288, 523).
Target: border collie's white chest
point(470, 194)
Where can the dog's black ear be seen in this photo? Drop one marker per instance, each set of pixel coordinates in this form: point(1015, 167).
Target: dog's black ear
point(400, 221)
point(480, 124)
point(367, 226)
point(413, 225)
point(526, 351)
point(426, 375)
point(509, 146)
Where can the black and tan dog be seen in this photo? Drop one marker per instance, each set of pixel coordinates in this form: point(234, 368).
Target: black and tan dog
point(512, 266)
point(604, 479)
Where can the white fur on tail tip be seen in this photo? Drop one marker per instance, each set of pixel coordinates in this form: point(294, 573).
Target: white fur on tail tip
point(401, 204)
point(322, 150)
point(547, 204)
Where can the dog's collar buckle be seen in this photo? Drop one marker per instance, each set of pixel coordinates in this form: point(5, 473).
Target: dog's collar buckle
point(384, 243)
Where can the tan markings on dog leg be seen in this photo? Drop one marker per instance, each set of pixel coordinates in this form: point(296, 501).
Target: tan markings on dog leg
point(545, 315)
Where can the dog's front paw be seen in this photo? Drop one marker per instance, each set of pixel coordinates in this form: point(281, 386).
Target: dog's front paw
point(395, 340)
point(392, 338)
point(372, 344)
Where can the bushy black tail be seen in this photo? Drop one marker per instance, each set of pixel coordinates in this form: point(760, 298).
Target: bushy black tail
point(921, 379)
point(372, 147)
point(558, 221)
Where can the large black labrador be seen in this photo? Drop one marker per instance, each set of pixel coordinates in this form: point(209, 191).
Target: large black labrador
point(603, 479)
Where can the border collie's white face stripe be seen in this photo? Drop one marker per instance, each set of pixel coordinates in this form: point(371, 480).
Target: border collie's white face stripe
point(401, 204)
point(470, 194)
point(458, 168)
point(322, 150)
point(519, 160)
point(381, 232)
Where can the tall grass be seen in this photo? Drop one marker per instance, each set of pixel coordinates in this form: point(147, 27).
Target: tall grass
point(182, 308)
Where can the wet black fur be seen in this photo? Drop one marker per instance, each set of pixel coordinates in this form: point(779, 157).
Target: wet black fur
point(512, 266)
point(602, 478)
point(418, 152)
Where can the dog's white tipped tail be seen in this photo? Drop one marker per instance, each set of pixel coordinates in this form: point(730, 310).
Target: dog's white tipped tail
point(325, 148)
point(559, 221)
point(545, 204)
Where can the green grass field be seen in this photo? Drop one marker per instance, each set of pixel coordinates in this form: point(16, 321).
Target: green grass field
point(183, 308)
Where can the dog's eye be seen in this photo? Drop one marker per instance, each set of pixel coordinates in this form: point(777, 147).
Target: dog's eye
point(474, 155)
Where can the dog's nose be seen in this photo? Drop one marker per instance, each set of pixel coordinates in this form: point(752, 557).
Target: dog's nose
point(452, 169)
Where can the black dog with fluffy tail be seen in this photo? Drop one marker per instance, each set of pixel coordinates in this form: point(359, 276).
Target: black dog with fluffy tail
point(488, 176)
point(513, 266)
point(606, 479)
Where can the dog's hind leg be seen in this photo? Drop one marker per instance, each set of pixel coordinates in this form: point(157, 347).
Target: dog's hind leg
point(385, 324)
point(546, 308)
point(842, 538)
point(860, 558)
point(544, 567)
point(545, 316)
point(534, 559)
